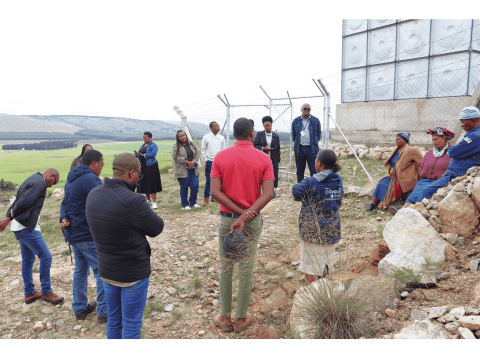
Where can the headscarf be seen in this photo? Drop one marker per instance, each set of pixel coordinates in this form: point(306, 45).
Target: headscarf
point(441, 132)
point(470, 112)
point(405, 136)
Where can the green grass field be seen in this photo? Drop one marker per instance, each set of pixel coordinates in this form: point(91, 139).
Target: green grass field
point(17, 165)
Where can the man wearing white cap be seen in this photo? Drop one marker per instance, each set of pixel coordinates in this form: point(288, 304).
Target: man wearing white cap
point(464, 155)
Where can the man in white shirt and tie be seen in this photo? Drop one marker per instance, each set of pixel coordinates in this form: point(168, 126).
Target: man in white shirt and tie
point(212, 143)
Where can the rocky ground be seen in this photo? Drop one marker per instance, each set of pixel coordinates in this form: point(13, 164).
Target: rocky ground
point(184, 292)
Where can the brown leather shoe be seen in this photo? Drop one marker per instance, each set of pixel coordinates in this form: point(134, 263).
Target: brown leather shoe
point(205, 202)
point(52, 298)
point(223, 322)
point(242, 324)
point(30, 299)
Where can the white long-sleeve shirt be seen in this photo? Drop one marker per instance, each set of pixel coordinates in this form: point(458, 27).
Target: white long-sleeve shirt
point(211, 144)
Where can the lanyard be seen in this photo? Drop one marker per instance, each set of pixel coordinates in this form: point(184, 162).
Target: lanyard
point(306, 125)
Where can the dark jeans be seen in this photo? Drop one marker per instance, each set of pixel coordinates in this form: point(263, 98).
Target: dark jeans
point(304, 156)
point(125, 309)
point(433, 187)
point(208, 170)
point(31, 244)
point(191, 181)
point(85, 258)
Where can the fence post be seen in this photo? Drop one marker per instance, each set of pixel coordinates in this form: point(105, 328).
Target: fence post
point(291, 122)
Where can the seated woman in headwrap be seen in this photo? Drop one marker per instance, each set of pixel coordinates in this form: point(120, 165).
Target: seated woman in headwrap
point(402, 173)
point(434, 164)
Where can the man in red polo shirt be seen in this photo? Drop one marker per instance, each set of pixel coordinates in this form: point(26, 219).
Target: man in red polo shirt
point(242, 181)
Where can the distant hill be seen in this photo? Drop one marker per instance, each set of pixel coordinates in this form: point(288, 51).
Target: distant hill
point(158, 128)
point(18, 123)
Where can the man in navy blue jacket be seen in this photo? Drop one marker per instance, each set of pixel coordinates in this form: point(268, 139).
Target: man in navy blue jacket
point(80, 181)
point(25, 215)
point(306, 132)
point(464, 155)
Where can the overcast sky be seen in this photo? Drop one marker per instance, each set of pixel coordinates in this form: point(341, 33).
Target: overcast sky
point(140, 58)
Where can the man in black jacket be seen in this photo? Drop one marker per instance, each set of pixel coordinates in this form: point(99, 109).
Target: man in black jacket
point(24, 215)
point(119, 219)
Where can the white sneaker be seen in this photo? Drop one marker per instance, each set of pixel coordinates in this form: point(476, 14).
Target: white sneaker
point(196, 205)
point(187, 208)
point(154, 205)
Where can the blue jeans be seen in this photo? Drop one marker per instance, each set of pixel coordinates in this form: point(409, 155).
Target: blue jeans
point(433, 187)
point(31, 244)
point(85, 258)
point(417, 193)
point(208, 170)
point(191, 181)
point(303, 157)
point(125, 309)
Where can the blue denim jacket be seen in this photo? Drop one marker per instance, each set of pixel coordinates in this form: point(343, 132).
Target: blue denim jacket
point(315, 133)
point(319, 221)
point(466, 154)
point(151, 154)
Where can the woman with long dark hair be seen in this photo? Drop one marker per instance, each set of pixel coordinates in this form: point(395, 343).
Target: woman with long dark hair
point(151, 183)
point(78, 160)
point(319, 221)
point(185, 157)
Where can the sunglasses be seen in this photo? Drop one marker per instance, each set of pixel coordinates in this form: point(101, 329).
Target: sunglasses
point(140, 175)
point(306, 109)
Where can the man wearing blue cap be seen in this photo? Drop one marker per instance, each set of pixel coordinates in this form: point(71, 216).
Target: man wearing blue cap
point(464, 155)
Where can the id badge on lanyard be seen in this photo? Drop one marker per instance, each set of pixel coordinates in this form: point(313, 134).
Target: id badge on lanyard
point(303, 130)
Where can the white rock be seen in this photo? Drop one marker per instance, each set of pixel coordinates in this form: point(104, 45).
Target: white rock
point(201, 332)
point(418, 314)
point(183, 258)
point(399, 258)
point(472, 311)
point(458, 312)
point(423, 329)
point(78, 327)
point(474, 265)
point(171, 290)
point(436, 312)
point(169, 307)
point(404, 294)
point(289, 275)
point(410, 231)
point(471, 322)
point(447, 318)
point(215, 302)
point(38, 326)
point(466, 334)
point(453, 327)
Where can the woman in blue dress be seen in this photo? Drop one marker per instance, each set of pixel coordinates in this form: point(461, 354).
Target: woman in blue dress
point(402, 174)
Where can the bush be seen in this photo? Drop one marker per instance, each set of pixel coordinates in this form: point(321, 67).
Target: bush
point(6, 185)
point(332, 314)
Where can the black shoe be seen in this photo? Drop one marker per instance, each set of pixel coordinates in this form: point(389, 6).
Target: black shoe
point(102, 319)
point(92, 305)
point(372, 207)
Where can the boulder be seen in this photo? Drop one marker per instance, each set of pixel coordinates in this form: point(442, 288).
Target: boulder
point(351, 190)
point(376, 155)
point(471, 322)
point(423, 329)
point(410, 231)
point(466, 333)
point(449, 253)
point(476, 192)
point(437, 311)
point(378, 293)
point(419, 207)
point(418, 314)
point(367, 189)
point(453, 327)
point(473, 265)
point(58, 192)
point(457, 210)
point(475, 294)
point(399, 259)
